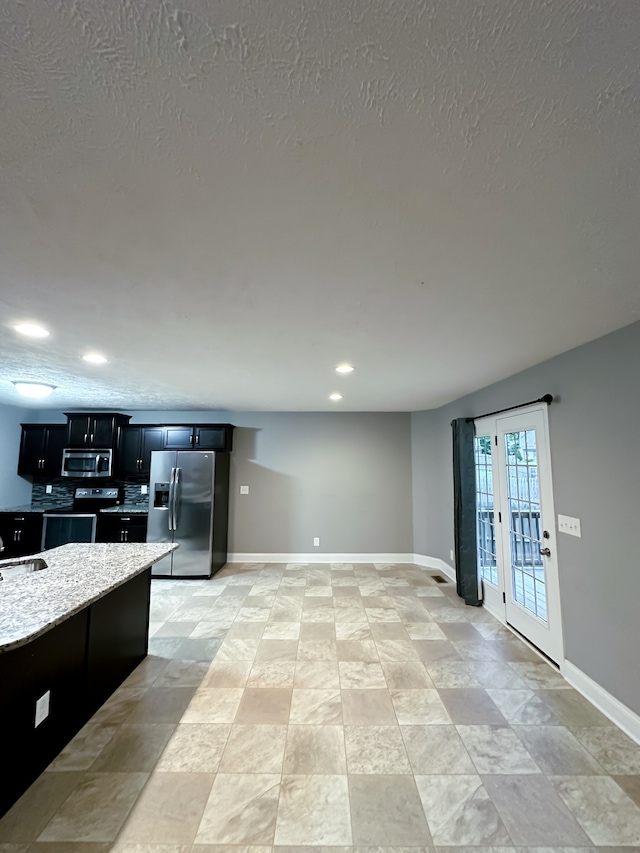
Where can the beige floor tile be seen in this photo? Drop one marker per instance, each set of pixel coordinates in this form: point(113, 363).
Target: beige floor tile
point(406, 674)
point(313, 750)
point(357, 650)
point(227, 673)
point(161, 705)
point(452, 673)
point(241, 809)
point(62, 847)
point(272, 674)
point(96, 809)
point(317, 650)
point(194, 748)
point(375, 750)
point(314, 810)
point(557, 752)
point(353, 631)
point(26, 819)
point(281, 631)
point(605, 812)
point(254, 749)
point(169, 809)
point(316, 674)
point(126, 847)
point(238, 649)
point(85, 747)
point(419, 707)
point(436, 751)
point(359, 675)
point(368, 708)
point(213, 705)
point(496, 749)
point(134, 748)
point(387, 811)
point(264, 706)
point(540, 676)
point(318, 631)
point(316, 707)
point(459, 812)
point(276, 650)
point(178, 673)
point(396, 650)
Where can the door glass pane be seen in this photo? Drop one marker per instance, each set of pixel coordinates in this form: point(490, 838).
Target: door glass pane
point(486, 531)
point(525, 534)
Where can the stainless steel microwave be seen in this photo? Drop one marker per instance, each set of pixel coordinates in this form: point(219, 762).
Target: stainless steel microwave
point(86, 463)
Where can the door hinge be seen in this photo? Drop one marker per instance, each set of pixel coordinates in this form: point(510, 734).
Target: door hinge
point(500, 517)
point(496, 439)
point(504, 598)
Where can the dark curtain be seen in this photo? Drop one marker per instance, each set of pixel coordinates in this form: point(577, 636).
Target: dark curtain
point(464, 508)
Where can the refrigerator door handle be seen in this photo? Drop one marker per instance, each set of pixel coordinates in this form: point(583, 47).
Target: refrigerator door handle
point(172, 498)
point(176, 496)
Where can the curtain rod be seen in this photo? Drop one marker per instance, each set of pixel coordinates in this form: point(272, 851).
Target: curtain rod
point(547, 398)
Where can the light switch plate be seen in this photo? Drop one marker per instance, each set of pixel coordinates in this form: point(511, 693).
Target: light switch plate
point(42, 708)
point(316, 541)
point(244, 490)
point(567, 524)
point(144, 490)
point(48, 489)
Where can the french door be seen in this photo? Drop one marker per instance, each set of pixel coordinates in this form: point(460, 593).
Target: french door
point(516, 526)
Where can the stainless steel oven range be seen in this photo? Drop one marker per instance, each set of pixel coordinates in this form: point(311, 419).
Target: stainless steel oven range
point(78, 522)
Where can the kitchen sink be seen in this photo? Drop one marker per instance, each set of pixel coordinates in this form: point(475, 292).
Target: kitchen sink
point(14, 568)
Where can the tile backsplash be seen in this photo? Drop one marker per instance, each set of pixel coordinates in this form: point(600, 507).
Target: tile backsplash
point(64, 488)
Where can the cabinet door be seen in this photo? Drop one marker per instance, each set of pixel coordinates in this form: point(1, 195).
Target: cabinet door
point(32, 449)
point(178, 438)
point(153, 438)
point(103, 431)
point(21, 534)
point(79, 431)
point(213, 438)
point(55, 442)
point(133, 529)
point(129, 451)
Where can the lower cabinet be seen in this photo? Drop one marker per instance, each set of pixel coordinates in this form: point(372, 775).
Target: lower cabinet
point(21, 533)
point(64, 676)
point(113, 527)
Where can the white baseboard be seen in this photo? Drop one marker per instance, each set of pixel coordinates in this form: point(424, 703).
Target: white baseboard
point(317, 557)
point(435, 563)
point(611, 707)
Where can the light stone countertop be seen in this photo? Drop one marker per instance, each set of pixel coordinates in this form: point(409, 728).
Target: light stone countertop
point(76, 576)
point(126, 509)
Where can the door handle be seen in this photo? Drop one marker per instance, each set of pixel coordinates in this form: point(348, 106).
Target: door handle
point(172, 490)
point(546, 552)
point(176, 497)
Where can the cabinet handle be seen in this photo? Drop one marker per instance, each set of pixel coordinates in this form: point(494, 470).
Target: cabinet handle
point(126, 536)
point(86, 435)
point(139, 464)
point(91, 438)
point(125, 519)
point(197, 439)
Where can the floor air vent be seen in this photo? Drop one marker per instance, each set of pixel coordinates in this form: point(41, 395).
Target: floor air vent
point(439, 579)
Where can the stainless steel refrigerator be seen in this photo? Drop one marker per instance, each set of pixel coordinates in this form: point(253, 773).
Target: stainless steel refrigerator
point(188, 504)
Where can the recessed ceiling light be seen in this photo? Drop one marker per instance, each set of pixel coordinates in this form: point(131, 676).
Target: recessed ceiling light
point(37, 390)
point(335, 396)
point(94, 358)
point(344, 368)
point(31, 330)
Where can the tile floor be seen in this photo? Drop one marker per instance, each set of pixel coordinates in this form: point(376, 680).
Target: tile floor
point(334, 707)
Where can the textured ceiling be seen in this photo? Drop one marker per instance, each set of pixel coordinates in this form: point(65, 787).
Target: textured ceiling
point(230, 198)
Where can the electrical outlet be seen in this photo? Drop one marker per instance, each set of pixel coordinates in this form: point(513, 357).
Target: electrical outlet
point(144, 490)
point(42, 709)
point(316, 541)
point(567, 524)
point(451, 557)
point(48, 489)
point(244, 490)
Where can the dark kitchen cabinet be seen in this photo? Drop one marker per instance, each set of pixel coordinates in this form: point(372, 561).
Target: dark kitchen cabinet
point(134, 449)
point(117, 527)
point(41, 447)
point(199, 437)
point(21, 533)
point(94, 430)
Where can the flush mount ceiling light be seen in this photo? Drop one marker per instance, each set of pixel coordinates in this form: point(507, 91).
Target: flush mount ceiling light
point(344, 368)
point(31, 330)
point(335, 396)
point(94, 358)
point(36, 390)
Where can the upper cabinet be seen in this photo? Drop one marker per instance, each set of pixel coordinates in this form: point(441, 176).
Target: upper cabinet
point(94, 430)
point(135, 447)
point(199, 437)
point(41, 449)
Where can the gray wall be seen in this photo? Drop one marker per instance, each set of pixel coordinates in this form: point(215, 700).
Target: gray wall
point(345, 477)
point(14, 490)
point(594, 425)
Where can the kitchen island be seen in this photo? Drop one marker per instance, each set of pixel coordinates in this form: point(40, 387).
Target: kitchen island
point(69, 635)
